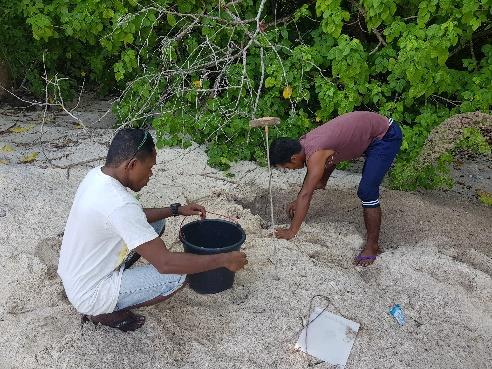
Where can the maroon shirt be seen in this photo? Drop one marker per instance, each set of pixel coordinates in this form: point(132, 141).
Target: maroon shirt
point(348, 135)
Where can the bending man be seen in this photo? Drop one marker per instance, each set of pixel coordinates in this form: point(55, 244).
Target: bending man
point(346, 137)
point(107, 230)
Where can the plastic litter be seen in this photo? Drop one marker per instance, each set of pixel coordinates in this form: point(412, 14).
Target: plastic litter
point(396, 312)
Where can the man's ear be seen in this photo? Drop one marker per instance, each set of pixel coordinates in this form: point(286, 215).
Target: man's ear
point(295, 158)
point(131, 163)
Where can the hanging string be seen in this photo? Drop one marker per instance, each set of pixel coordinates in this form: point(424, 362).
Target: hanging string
point(309, 321)
point(224, 216)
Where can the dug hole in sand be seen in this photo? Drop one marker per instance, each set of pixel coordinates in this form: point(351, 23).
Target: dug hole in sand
point(436, 264)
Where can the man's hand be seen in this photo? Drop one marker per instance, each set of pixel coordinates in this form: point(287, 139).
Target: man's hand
point(291, 209)
point(192, 209)
point(168, 262)
point(235, 260)
point(285, 234)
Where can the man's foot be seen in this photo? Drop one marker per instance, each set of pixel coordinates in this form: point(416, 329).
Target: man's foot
point(367, 256)
point(124, 320)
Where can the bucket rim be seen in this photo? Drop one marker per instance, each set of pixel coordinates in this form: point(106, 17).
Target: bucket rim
point(225, 249)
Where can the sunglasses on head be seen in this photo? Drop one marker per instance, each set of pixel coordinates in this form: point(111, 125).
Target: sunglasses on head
point(139, 147)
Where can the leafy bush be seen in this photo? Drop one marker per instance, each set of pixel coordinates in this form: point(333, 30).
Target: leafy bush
point(198, 71)
point(474, 142)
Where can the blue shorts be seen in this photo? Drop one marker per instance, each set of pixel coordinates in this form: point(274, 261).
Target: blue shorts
point(379, 157)
point(143, 283)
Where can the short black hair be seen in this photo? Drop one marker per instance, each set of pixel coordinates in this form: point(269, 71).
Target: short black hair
point(129, 143)
point(282, 149)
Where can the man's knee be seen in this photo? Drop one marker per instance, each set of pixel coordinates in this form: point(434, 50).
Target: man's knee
point(159, 298)
point(165, 297)
point(369, 196)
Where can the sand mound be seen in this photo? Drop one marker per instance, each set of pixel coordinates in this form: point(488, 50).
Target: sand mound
point(444, 137)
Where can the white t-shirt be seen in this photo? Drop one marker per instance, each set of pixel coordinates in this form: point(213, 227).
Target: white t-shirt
point(105, 222)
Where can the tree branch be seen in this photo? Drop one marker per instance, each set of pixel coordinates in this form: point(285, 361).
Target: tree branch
point(486, 33)
point(375, 31)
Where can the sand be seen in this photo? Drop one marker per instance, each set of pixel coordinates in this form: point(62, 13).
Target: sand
point(436, 264)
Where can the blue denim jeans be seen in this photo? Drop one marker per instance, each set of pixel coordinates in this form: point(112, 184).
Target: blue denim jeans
point(143, 283)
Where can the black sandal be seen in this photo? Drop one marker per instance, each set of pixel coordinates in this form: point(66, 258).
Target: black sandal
point(130, 323)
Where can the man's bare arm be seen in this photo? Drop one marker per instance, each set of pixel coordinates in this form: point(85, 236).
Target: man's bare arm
point(155, 214)
point(326, 175)
point(315, 171)
point(166, 262)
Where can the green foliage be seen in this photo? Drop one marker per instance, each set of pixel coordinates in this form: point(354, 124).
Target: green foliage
point(76, 39)
point(485, 198)
point(416, 61)
point(408, 176)
point(344, 165)
point(333, 16)
point(15, 45)
point(414, 137)
point(474, 142)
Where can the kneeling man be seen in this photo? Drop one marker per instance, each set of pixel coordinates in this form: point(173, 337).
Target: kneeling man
point(108, 230)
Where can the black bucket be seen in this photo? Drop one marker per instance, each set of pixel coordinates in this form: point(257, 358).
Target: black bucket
point(211, 236)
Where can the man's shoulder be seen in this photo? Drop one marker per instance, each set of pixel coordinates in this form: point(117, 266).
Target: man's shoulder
point(104, 192)
point(92, 177)
point(320, 157)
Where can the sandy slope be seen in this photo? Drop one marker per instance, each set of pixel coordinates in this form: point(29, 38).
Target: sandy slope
point(437, 264)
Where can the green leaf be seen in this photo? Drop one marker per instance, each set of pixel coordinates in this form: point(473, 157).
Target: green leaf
point(171, 19)
point(128, 38)
point(270, 82)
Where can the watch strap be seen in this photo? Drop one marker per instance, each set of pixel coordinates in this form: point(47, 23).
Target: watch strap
point(174, 209)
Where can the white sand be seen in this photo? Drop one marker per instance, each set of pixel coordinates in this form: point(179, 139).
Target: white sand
point(438, 270)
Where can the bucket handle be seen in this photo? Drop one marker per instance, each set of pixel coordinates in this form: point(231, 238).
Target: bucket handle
point(235, 220)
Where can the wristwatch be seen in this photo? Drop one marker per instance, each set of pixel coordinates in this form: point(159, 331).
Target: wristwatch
point(174, 209)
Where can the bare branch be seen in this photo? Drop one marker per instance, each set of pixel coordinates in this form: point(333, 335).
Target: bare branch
point(375, 31)
point(379, 37)
point(260, 85)
point(375, 49)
